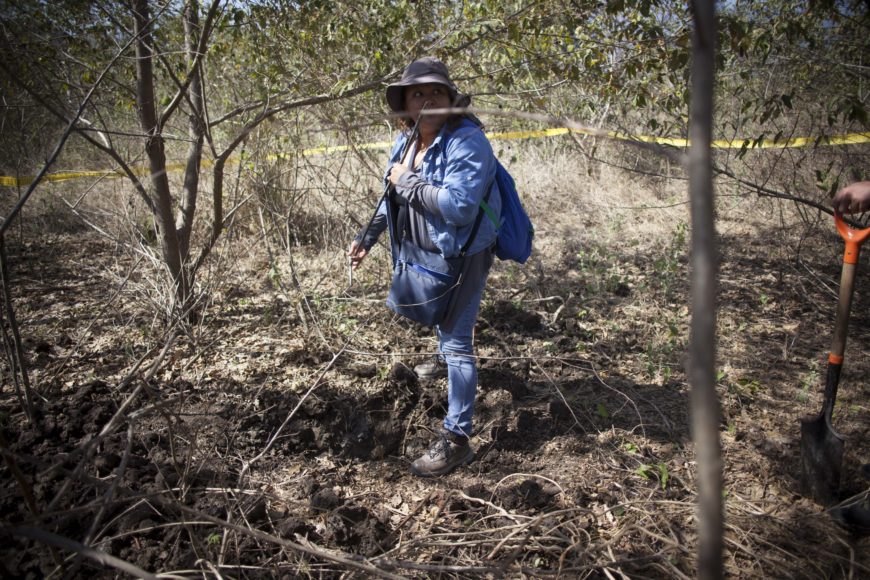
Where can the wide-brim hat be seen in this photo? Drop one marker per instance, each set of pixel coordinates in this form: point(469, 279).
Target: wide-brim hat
point(420, 72)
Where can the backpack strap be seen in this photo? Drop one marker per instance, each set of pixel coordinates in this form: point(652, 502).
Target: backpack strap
point(483, 206)
point(489, 212)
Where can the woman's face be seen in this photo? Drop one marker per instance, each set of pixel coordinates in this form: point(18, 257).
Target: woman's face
point(430, 96)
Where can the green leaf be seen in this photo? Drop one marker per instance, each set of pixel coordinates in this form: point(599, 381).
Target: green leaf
point(602, 411)
point(645, 471)
point(664, 476)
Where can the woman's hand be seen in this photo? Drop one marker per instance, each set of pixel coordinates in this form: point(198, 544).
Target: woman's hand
point(853, 198)
point(356, 253)
point(396, 171)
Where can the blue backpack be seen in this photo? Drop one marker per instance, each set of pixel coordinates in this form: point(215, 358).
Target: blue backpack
point(515, 232)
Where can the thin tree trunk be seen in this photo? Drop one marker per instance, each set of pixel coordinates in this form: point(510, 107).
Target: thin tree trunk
point(702, 347)
point(14, 347)
point(154, 149)
point(217, 224)
point(196, 130)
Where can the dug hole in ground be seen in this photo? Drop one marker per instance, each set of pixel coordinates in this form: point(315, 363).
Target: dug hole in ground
point(289, 411)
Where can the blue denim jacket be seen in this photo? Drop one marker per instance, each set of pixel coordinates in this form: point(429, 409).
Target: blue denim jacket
point(461, 166)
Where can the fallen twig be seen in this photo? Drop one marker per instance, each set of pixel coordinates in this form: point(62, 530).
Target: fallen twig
point(68, 544)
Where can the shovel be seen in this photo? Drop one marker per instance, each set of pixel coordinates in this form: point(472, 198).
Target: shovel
point(821, 445)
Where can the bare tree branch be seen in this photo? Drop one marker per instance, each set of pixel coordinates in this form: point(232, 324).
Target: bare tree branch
point(766, 191)
point(61, 542)
point(195, 67)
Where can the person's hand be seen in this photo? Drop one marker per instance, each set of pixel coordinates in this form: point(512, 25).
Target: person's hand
point(853, 198)
point(396, 171)
point(356, 253)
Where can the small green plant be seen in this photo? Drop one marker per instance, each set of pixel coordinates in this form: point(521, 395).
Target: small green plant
point(602, 411)
point(275, 276)
point(673, 333)
point(664, 475)
point(667, 267)
point(658, 471)
point(809, 380)
point(645, 471)
point(661, 349)
point(589, 264)
point(214, 539)
point(269, 315)
point(745, 386)
point(348, 325)
point(512, 274)
point(763, 298)
point(632, 449)
point(679, 241)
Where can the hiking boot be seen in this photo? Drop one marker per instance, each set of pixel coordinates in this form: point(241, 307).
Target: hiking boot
point(431, 369)
point(445, 454)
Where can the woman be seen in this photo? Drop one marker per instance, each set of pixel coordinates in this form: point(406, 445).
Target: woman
point(446, 173)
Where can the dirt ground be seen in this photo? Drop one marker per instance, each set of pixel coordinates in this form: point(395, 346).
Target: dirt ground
point(273, 437)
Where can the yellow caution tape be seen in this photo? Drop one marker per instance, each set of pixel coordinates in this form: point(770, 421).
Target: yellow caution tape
point(6, 181)
point(533, 134)
point(330, 149)
point(848, 139)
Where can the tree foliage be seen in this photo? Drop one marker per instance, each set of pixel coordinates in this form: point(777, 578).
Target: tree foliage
point(219, 70)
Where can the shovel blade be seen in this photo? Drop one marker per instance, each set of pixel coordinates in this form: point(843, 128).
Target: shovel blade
point(821, 459)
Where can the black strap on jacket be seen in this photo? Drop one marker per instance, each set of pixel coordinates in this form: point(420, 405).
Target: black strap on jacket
point(476, 227)
point(403, 221)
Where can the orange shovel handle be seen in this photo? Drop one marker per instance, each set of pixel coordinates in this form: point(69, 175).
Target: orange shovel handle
point(853, 239)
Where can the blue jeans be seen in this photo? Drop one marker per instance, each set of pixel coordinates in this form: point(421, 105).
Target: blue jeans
point(457, 348)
